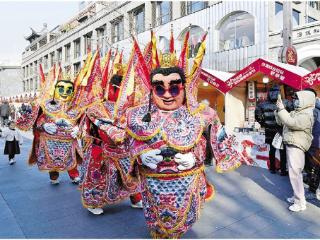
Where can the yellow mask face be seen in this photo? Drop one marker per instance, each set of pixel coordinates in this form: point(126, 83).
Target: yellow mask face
point(64, 91)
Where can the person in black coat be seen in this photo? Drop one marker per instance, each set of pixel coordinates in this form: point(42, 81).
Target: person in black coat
point(264, 114)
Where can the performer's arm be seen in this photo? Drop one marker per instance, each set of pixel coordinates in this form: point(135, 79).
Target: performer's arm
point(225, 150)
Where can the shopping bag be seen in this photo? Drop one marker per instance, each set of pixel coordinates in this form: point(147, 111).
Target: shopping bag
point(277, 141)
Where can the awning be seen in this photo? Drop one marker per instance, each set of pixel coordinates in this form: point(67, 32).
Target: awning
point(294, 76)
point(216, 78)
point(284, 73)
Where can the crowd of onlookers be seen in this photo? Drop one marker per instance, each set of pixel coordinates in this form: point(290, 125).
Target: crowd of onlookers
point(11, 112)
point(297, 120)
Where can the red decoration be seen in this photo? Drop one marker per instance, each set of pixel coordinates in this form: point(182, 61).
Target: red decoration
point(291, 56)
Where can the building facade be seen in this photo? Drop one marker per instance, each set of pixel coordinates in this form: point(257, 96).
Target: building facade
point(239, 33)
point(10, 82)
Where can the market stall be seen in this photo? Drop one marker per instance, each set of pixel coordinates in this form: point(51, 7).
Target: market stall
point(212, 89)
point(241, 92)
point(248, 88)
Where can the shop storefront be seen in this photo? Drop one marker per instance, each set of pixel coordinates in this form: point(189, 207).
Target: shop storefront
point(243, 91)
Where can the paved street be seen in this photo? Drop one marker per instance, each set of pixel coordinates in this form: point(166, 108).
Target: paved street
point(250, 203)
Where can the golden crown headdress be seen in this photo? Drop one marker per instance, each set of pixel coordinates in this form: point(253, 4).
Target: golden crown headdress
point(64, 75)
point(169, 59)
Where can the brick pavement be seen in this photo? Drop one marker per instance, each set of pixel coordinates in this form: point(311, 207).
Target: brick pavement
point(249, 203)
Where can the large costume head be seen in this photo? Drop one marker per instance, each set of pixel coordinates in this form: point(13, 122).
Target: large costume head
point(273, 93)
point(172, 82)
point(64, 90)
point(168, 91)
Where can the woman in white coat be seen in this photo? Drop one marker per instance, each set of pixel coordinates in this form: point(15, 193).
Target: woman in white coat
point(297, 136)
point(13, 140)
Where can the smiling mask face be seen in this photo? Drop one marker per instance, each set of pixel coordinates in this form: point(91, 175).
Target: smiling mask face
point(64, 91)
point(172, 93)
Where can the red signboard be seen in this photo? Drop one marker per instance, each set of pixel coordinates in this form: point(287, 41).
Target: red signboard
point(291, 56)
point(269, 69)
point(311, 79)
point(214, 81)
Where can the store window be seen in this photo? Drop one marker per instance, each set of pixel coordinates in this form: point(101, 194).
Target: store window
point(279, 17)
point(163, 12)
point(164, 44)
point(100, 35)
point(67, 53)
point(76, 48)
point(45, 64)
point(31, 84)
point(35, 68)
point(195, 37)
point(311, 19)
point(296, 17)
point(35, 83)
point(52, 60)
point(117, 30)
point(87, 42)
point(59, 55)
point(138, 20)
point(236, 31)
point(194, 6)
point(76, 68)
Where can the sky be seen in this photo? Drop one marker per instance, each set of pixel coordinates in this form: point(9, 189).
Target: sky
point(16, 18)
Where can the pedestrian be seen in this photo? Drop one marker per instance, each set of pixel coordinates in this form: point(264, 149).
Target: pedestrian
point(313, 155)
point(4, 112)
point(297, 136)
point(12, 112)
point(13, 140)
point(264, 114)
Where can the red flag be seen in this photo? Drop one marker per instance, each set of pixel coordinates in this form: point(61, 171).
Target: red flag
point(83, 92)
point(171, 42)
point(183, 56)
point(140, 65)
point(122, 100)
point(147, 55)
point(105, 72)
point(204, 36)
point(42, 77)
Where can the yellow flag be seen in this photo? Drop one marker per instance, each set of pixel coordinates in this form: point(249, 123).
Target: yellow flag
point(89, 68)
point(83, 70)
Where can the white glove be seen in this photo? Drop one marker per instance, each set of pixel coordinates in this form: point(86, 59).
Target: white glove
point(50, 128)
point(75, 132)
point(186, 161)
point(99, 122)
point(151, 158)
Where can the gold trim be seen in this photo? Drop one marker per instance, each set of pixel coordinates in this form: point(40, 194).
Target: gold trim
point(165, 175)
